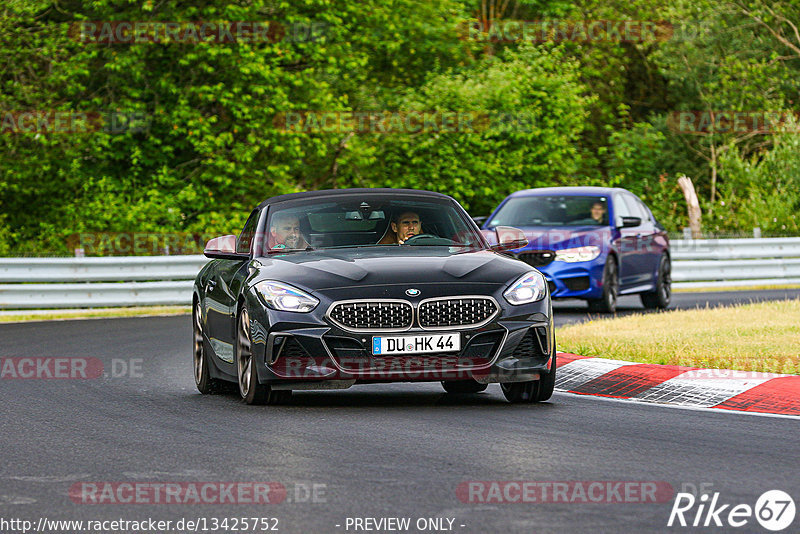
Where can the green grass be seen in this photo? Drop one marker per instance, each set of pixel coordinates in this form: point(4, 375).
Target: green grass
point(764, 337)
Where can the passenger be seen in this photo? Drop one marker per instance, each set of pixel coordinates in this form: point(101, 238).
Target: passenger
point(284, 232)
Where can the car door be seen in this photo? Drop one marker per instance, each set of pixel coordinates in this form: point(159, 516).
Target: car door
point(222, 290)
point(648, 252)
point(625, 242)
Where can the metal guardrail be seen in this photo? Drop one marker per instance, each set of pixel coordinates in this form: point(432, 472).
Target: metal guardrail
point(719, 263)
point(111, 269)
point(95, 295)
point(735, 249)
point(27, 283)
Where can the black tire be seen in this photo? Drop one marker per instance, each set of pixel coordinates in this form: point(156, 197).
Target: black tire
point(608, 302)
point(660, 298)
point(251, 391)
point(534, 390)
point(519, 392)
point(547, 382)
point(463, 386)
point(202, 375)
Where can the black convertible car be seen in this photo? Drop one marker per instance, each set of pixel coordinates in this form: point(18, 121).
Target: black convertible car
point(326, 289)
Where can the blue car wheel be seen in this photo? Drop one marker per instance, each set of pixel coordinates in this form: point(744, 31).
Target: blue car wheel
point(660, 298)
point(607, 303)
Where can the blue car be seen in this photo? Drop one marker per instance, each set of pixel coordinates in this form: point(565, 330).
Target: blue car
point(591, 243)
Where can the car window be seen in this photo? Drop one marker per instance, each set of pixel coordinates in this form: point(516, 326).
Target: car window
point(643, 209)
point(338, 220)
point(555, 210)
point(621, 209)
point(248, 233)
point(634, 207)
point(367, 220)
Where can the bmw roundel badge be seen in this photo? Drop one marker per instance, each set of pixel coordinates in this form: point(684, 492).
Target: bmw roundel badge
point(411, 292)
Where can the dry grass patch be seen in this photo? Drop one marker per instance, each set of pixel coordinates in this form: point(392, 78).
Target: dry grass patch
point(142, 311)
point(733, 288)
point(764, 336)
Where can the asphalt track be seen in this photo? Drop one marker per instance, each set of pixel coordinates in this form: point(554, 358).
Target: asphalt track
point(398, 450)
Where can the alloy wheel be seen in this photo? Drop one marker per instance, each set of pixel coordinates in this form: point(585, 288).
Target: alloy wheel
point(244, 353)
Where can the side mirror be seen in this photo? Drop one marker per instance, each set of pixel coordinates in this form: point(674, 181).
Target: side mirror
point(223, 248)
point(631, 222)
point(509, 238)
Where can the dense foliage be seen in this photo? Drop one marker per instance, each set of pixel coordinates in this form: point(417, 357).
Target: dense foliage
point(208, 143)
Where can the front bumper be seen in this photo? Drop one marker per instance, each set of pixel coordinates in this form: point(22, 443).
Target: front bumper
point(307, 351)
point(583, 280)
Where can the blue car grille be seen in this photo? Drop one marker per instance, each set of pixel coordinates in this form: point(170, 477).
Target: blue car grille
point(537, 258)
point(456, 312)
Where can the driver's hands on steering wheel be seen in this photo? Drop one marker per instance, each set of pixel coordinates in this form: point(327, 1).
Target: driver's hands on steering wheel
point(402, 241)
point(414, 237)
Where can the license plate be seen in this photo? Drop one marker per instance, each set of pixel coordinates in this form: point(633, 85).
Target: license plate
point(416, 344)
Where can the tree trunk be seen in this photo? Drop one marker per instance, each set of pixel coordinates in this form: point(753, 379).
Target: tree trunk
point(713, 172)
point(692, 204)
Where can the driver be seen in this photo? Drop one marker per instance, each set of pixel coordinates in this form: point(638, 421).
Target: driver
point(406, 225)
point(598, 212)
point(284, 232)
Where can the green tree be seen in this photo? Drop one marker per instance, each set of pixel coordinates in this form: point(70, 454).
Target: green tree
point(536, 109)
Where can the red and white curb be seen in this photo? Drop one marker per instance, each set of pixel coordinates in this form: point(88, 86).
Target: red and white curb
point(684, 386)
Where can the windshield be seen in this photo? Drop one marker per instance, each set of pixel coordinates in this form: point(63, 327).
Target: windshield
point(556, 210)
point(368, 221)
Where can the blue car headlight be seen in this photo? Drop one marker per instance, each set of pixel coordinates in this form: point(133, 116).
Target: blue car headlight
point(528, 288)
point(573, 255)
point(283, 297)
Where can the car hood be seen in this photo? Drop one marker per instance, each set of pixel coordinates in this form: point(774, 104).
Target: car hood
point(338, 268)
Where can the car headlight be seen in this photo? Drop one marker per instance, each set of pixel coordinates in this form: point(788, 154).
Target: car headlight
point(572, 255)
point(528, 288)
point(284, 297)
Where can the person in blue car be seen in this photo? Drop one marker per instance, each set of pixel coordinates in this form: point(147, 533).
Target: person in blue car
point(598, 212)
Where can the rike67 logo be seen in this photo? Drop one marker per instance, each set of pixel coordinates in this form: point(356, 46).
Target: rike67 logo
point(774, 510)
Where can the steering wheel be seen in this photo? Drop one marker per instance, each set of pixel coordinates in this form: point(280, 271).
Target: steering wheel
point(414, 238)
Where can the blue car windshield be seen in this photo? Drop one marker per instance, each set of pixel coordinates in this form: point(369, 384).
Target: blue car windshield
point(557, 210)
